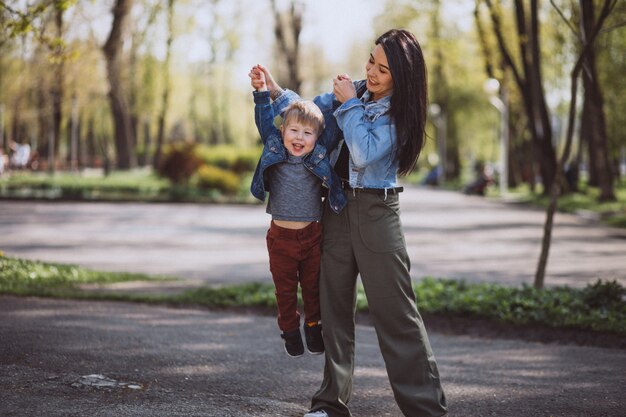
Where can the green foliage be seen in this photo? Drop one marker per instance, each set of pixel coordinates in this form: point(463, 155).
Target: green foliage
point(23, 277)
point(18, 22)
point(246, 295)
point(179, 163)
point(135, 185)
point(210, 177)
point(237, 160)
point(604, 294)
point(586, 200)
point(598, 307)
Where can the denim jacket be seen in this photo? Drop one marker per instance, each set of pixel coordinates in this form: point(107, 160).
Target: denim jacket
point(368, 132)
point(274, 152)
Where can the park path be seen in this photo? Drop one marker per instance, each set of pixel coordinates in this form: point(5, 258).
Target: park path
point(193, 362)
point(448, 234)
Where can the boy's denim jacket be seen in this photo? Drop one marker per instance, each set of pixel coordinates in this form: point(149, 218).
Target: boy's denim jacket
point(372, 140)
point(274, 152)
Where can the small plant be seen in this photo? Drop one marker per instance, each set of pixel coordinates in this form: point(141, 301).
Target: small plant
point(238, 160)
point(179, 163)
point(603, 294)
point(211, 177)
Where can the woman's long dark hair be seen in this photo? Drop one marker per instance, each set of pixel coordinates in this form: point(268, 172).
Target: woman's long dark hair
point(410, 90)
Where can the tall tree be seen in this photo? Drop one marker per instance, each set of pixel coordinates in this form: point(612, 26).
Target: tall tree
point(593, 122)
point(138, 37)
point(125, 153)
point(587, 39)
point(165, 98)
point(527, 76)
point(287, 28)
point(57, 89)
point(440, 96)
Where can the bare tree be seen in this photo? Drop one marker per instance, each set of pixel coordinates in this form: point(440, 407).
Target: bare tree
point(449, 149)
point(287, 28)
point(587, 39)
point(528, 80)
point(125, 153)
point(57, 89)
point(137, 39)
point(593, 122)
point(165, 98)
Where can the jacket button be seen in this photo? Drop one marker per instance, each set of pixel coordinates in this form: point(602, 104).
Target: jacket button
point(336, 208)
point(325, 177)
point(321, 155)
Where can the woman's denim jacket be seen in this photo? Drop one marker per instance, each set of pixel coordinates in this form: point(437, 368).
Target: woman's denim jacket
point(274, 152)
point(368, 131)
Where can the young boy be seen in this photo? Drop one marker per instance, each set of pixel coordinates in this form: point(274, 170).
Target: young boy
point(293, 167)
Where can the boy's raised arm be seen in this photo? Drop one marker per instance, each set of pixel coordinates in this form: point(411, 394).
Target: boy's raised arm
point(263, 112)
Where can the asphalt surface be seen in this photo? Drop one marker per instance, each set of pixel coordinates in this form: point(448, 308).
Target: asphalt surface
point(191, 362)
point(448, 235)
point(161, 361)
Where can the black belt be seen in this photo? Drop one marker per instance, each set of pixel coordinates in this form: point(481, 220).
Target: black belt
point(378, 191)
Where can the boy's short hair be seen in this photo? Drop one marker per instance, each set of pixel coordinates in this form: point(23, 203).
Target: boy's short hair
point(305, 112)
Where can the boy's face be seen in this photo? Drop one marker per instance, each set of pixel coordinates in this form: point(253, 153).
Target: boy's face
point(298, 138)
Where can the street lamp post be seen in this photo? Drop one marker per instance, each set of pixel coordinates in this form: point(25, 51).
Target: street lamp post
point(499, 99)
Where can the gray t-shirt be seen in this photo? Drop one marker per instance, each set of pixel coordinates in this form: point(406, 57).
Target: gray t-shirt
point(295, 192)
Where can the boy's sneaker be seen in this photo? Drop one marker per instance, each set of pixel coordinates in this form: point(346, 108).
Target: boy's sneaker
point(318, 413)
point(314, 340)
point(293, 343)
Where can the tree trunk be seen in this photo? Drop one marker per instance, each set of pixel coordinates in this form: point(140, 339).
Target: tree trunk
point(58, 90)
point(441, 97)
point(594, 112)
point(534, 99)
point(125, 153)
point(528, 80)
point(588, 40)
point(585, 135)
point(165, 100)
point(288, 39)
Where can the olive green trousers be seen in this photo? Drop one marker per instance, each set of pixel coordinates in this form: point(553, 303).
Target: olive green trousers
point(366, 238)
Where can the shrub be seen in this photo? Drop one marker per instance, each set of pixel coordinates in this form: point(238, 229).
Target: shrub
point(179, 163)
point(211, 177)
point(245, 162)
point(603, 294)
point(238, 160)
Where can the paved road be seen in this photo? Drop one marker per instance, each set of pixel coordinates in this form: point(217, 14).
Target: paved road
point(190, 362)
point(448, 235)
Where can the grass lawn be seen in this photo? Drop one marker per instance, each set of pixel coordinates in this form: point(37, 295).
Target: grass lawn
point(599, 307)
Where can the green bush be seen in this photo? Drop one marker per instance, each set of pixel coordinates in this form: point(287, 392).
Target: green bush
point(599, 307)
point(24, 277)
point(238, 160)
point(179, 163)
point(135, 185)
point(211, 177)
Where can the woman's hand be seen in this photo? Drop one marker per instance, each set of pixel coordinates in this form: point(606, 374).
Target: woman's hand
point(343, 88)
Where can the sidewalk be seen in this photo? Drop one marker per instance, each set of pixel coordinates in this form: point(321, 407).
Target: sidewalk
point(193, 362)
point(161, 361)
point(448, 234)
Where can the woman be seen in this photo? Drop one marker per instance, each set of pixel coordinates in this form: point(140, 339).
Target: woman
point(383, 130)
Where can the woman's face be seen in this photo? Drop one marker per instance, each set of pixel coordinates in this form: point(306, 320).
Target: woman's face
point(379, 81)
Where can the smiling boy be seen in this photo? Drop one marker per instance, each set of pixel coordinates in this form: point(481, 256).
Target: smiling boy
point(294, 168)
